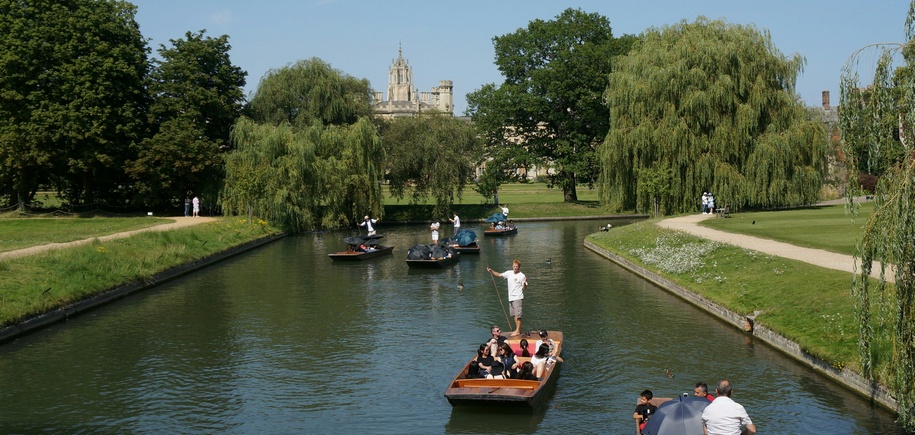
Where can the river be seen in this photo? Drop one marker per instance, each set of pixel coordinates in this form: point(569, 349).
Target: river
point(282, 340)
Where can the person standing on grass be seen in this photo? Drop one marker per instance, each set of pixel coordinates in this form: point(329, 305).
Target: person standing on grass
point(187, 205)
point(196, 203)
point(517, 283)
point(704, 202)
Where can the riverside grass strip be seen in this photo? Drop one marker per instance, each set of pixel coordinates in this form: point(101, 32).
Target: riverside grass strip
point(49, 280)
point(809, 305)
point(18, 233)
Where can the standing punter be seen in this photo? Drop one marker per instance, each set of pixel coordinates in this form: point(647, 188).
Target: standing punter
point(517, 282)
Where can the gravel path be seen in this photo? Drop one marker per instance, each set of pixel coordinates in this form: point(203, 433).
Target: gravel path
point(179, 222)
point(818, 257)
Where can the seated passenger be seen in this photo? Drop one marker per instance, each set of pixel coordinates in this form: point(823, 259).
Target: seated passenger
point(363, 248)
point(526, 372)
point(523, 351)
point(540, 360)
point(500, 226)
point(644, 410)
point(544, 339)
point(507, 358)
point(484, 360)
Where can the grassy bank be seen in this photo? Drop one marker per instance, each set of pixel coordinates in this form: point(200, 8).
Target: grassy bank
point(42, 282)
point(809, 305)
point(23, 233)
point(825, 227)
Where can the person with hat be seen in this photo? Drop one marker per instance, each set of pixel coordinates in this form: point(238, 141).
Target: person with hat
point(369, 224)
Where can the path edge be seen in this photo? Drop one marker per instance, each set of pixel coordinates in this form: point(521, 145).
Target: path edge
point(61, 314)
point(875, 393)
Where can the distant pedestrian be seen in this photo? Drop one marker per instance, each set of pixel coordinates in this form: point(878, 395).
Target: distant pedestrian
point(505, 210)
point(196, 203)
point(704, 202)
point(711, 203)
point(187, 206)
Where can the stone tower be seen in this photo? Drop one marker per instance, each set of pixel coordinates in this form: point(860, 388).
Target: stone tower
point(404, 99)
point(400, 80)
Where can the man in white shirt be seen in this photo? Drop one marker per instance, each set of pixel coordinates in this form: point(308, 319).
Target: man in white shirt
point(369, 224)
point(724, 416)
point(517, 282)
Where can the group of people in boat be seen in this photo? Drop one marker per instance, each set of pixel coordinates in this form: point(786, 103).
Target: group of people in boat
point(502, 225)
point(497, 360)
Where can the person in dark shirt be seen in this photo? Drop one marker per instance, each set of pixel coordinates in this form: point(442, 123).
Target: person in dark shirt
point(643, 411)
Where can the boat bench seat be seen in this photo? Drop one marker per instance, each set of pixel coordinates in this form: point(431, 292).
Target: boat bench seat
point(502, 383)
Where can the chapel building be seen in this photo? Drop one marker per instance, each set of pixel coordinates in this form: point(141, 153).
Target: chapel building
point(405, 100)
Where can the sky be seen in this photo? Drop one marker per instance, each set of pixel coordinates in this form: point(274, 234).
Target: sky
point(445, 40)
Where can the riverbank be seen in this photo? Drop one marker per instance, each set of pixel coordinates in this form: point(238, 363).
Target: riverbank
point(50, 283)
point(802, 310)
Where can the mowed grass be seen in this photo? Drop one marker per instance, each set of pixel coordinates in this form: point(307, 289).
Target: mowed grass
point(807, 304)
point(829, 228)
point(45, 281)
point(524, 200)
point(23, 233)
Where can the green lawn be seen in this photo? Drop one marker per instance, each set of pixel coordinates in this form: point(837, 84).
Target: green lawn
point(827, 227)
point(514, 193)
point(22, 233)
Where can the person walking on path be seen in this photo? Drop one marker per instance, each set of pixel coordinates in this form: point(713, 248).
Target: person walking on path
point(724, 416)
point(517, 283)
point(196, 203)
point(187, 206)
point(704, 202)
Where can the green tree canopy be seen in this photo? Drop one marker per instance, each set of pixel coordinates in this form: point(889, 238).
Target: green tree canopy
point(197, 96)
point(309, 156)
point(714, 104)
point(877, 132)
point(430, 154)
point(549, 111)
point(72, 97)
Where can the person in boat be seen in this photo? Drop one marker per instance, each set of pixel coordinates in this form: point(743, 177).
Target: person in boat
point(434, 227)
point(505, 209)
point(523, 351)
point(369, 224)
point(507, 357)
point(526, 371)
point(499, 368)
point(540, 360)
point(484, 360)
point(456, 221)
point(724, 415)
point(496, 340)
point(517, 283)
point(362, 248)
point(500, 225)
point(643, 411)
point(701, 390)
point(545, 339)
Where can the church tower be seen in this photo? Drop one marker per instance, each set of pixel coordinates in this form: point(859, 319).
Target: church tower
point(400, 80)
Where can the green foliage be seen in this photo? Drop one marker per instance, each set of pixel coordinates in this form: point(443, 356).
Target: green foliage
point(877, 128)
point(197, 96)
point(71, 97)
point(714, 104)
point(310, 156)
point(430, 155)
point(548, 112)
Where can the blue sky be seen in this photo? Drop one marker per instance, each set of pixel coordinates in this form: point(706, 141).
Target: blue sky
point(453, 40)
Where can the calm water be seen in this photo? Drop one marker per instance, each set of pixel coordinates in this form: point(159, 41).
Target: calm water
point(282, 340)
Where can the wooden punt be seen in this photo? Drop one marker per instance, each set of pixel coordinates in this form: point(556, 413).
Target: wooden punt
point(473, 248)
point(434, 263)
point(359, 256)
point(503, 232)
point(506, 392)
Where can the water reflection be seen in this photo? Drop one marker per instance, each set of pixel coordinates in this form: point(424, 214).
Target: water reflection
point(284, 340)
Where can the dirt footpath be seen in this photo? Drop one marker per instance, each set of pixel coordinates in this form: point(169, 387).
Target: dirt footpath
point(179, 222)
point(818, 257)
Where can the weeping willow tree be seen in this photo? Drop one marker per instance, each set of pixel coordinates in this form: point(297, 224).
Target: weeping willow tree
point(877, 126)
point(308, 155)
point(713, 106)
point(430, 155)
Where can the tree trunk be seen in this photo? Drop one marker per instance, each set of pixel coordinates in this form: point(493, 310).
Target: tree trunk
point(569, 192)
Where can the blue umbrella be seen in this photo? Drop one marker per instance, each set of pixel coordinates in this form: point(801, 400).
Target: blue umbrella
point(680, 416)
point(497, 217)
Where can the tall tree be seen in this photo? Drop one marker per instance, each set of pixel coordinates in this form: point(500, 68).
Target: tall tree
point(889, 232)
point(309, 156)
point(549, 111)
point(714, 104)
point(72, 96)
point(197, 96)
point(430, 154)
